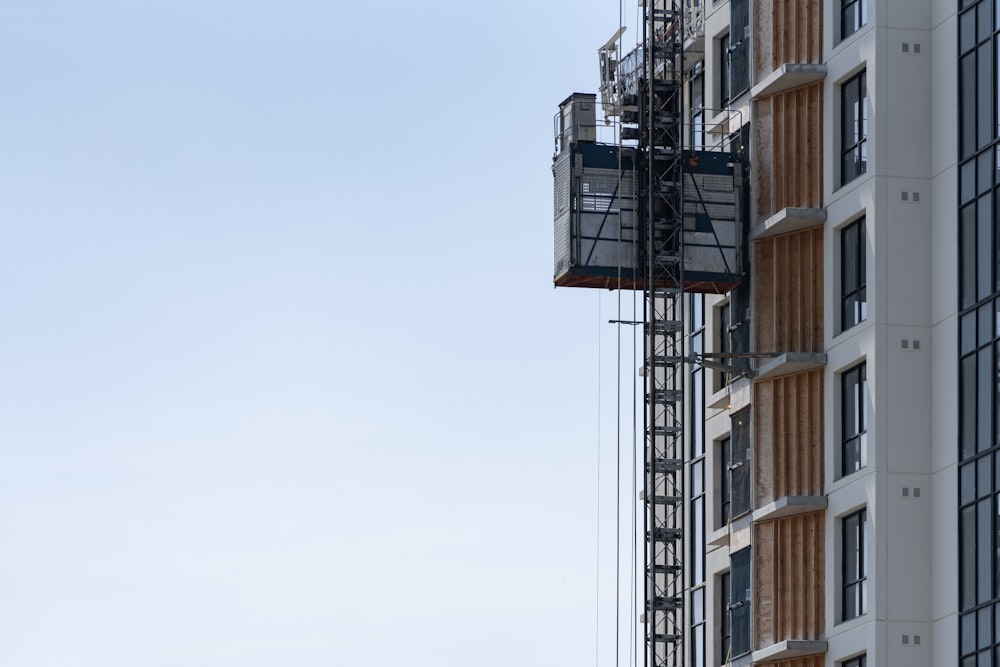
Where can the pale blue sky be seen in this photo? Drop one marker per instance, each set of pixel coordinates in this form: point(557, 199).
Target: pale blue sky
point(283, 379)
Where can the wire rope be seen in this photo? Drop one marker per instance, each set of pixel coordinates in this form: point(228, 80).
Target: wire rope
point(597, 573)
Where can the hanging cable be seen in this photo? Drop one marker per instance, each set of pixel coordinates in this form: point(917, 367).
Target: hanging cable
point(597, 574)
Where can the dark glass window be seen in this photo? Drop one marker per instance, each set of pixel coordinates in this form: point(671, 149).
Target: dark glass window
point(698, 627)
point(739, 606)
point(739, 467)
point(739, 35)
point(855, 662)
point(725, 484)
point(724, 71)
point(854, 128)
point(698, 522)
point(696, 93)
point(852, 16)
point(854, 600)
point(853, 420)
point(853, 292)
point(725, 628)
point(724, 320)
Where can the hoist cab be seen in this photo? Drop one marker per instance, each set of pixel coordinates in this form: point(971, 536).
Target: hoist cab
point(597, 210)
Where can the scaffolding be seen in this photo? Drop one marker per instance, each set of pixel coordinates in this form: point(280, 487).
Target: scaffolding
point(647, 214)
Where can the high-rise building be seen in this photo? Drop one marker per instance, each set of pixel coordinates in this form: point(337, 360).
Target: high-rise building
point(842, 480)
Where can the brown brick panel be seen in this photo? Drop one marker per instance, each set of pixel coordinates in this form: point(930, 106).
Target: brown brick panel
point(786, 31)
point(788, 292)
point(788, 437)
point(789, 579)
point(788, 150)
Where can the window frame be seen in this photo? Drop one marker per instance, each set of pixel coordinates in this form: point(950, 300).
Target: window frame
point(725, 78)
point(696, 86)
point(854, 424)
point(856, 661)
point(854, 146)
point(725, 624)
point(853, 289)
point(859, 17)
point(724, 449)
point(740, 464)
point(853, 566)
point(741, 572)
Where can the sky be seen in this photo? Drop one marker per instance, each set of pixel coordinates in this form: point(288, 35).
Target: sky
point(283, 376)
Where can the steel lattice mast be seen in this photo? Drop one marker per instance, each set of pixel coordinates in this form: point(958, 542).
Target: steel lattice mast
point(661, 132)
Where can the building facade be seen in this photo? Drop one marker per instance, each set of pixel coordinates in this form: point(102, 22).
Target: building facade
point(844, 485)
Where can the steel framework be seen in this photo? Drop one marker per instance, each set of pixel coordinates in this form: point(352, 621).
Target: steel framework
point(661, 132)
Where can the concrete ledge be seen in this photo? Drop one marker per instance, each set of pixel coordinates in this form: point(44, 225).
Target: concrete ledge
point(788, 649)
point(718, 538)
point(788, 220)
point(789, 363)
point(786, 77)
point(790, 506)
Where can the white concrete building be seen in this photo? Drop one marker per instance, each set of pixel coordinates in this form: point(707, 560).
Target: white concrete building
point(851, 503)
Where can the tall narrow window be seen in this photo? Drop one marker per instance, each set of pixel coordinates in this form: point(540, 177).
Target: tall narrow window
point(725, 485)
point(739, 606)
point(739, 46)
point(739, 466)
point(697, 100)
point(723, 61)
point(854, 128)
point(854, 601)
point(725, 628)
point(853, 295)
point(852, 16)
point(725, 341)
point(853, 420)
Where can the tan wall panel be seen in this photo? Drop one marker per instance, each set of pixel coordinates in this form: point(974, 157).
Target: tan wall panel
point(788, 437)
point(786, 31)
point(787, 153)
point(789, 579)
point(788, 292)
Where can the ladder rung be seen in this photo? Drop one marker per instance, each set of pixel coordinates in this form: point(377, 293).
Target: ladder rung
point(667, 569)
point(667, 326)
point(666, 603)
point(667, 359)
point(666, 465)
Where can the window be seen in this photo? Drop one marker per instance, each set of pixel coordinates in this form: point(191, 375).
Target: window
point(724, 71)
point(739, 466)
point(723, 318)
point(852, 17)
point(725, 631)
point(854, 128)
point(739, 606)
point(853, 420)
point(854, 599)
point(698, 627)
point(853, 295)
point(725, 485)
point(696, 93)
point(739, 46)
point(855, 662)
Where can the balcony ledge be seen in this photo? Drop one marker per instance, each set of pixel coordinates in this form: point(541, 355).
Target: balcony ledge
point(789, 506)
point(789, 363)
point(786, 77)
point(789, 649)
point(788, 220)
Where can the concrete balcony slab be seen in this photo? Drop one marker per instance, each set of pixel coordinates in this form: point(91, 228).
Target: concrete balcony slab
point(786, 77)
